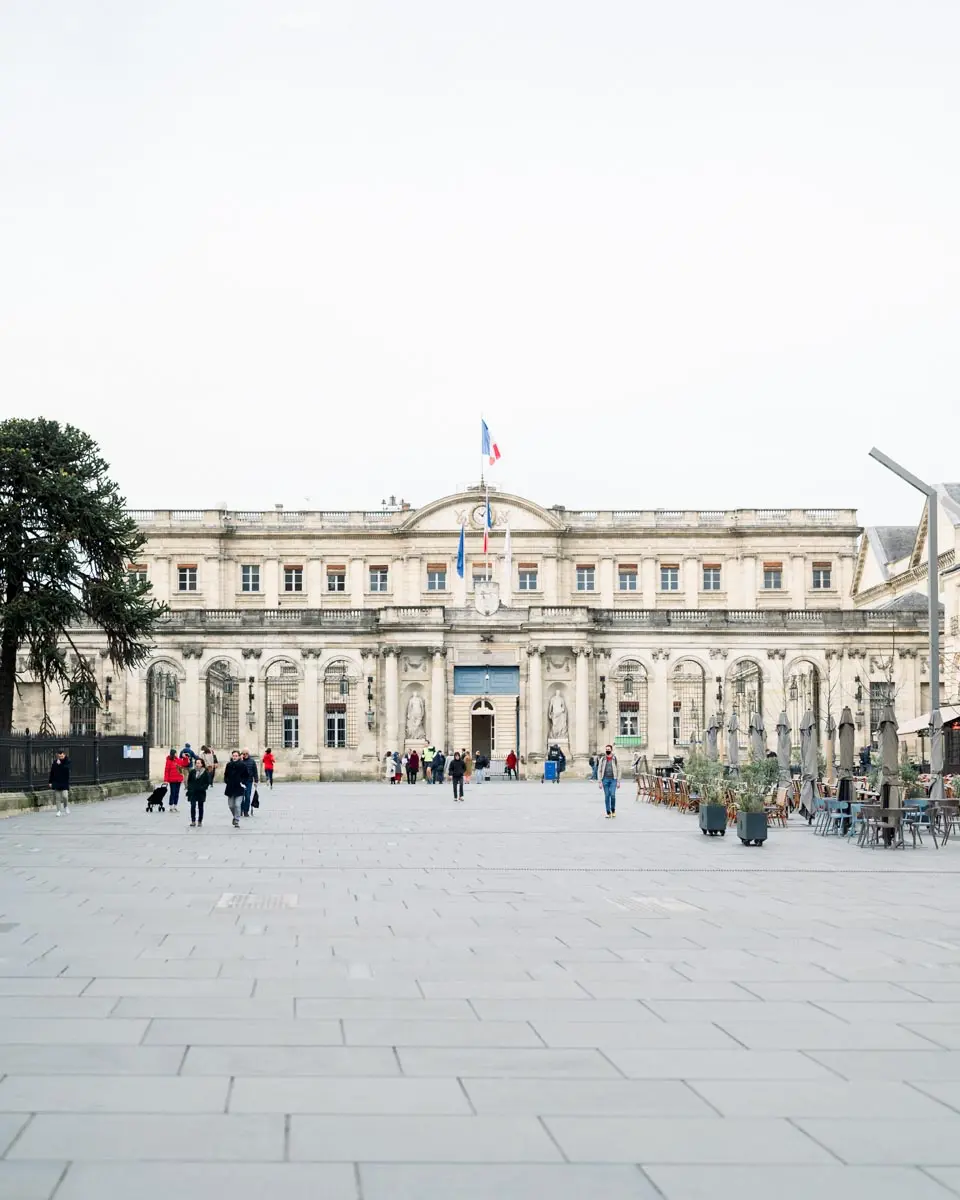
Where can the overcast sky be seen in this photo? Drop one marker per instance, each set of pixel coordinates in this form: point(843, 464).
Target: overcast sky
point(682, 254)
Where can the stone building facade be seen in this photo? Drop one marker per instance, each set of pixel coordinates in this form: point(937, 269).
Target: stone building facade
point(335, 637)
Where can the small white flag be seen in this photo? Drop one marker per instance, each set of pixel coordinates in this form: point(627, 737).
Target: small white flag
point(507, 562)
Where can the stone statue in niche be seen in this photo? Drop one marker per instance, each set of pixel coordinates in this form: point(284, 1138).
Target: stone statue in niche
point(416, 719)
point(556, 719)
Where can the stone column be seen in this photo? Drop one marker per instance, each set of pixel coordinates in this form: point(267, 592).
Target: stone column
point(648, 581)
point(659, 716)
point(391, 698)
point(272, 584)
point(192, 725)
point(845, 583)
point(798, 581)
point(310, 724)
point(356, 582)
point(691, 582)
point(535, 702)
point(606, 582)
point(582, 727)
point(438, 699)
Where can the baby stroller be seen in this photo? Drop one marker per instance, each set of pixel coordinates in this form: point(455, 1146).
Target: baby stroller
point(155, 799)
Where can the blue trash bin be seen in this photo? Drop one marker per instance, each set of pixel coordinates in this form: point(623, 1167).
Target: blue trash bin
point(550, 771)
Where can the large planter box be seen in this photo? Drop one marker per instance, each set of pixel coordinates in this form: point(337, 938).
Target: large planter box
point(752, 827)
point(713, 819)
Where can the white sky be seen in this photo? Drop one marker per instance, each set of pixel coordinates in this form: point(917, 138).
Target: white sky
point(683, 254)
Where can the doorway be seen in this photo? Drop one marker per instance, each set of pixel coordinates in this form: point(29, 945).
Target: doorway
point(482, 730)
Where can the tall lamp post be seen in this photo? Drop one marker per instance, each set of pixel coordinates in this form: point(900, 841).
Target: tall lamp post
point(933, 571)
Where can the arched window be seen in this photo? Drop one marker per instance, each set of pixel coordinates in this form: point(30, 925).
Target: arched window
point(282, 727)
point(223, 706)
point(803, 692)
point(745, 696)
point(688, 698)
point(340, 706)
point(163, 706)
point(629, 681)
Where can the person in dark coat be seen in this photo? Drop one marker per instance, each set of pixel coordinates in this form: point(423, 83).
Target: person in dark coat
point(198, 780)
point(457, 771)
point(413, 766)
point(234, 776)
point(250, 777)
point(439, 765)
point(60, 782)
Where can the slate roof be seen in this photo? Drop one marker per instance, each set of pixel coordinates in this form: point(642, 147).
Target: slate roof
point(909, 602)
point(896, 541)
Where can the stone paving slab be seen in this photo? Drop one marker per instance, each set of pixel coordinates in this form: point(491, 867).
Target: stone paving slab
point(360, 998)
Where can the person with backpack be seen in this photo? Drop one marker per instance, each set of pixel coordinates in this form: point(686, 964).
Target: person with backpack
point(609, 772)
point(439, 765)
point(210, 761)
point(198, 781)
point(59, 782)
point(457, 771)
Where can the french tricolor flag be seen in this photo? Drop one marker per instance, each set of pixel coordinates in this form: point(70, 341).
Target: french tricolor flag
point(487, 445)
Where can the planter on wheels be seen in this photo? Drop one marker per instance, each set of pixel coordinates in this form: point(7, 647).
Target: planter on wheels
point(713, 819)
point(752, 828)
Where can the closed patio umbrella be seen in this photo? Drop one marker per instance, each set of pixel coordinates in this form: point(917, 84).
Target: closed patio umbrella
point(936, 755)
point(733, 742)
point(713, 730)
point(830, 748)
point(783, 747)
point(809, 765)
point(847, 752)
point(889, 760)
point(758, 737)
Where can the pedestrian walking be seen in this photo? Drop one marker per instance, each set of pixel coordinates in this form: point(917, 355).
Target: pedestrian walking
point(390, 768)
point(478, 764)
point(234, 775)
point(250, 777)
point(269, 765)
point(594, 764)
point(413, 766)
point(199, 780)
point(210, 761)
point(397, 767)
point(173, 768)
point(439, 764)
point(59, 782)
point(609, 781)
point(457, 771)
point(467, 766)
point(511, 765)
point(188, 753)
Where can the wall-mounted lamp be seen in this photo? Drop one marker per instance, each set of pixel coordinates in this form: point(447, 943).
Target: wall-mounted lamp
point(719, 683)
point(107, 695)
point(603, 701)
point(861, 715)
point(251, 696)
point(371, 715)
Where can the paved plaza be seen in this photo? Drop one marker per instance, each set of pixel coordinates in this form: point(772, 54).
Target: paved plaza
point(371, 993)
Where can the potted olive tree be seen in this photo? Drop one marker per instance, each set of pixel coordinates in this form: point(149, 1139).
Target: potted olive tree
point(756, 780)
point(713, 803)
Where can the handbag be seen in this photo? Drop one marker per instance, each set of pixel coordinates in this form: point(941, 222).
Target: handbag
point(255, 802)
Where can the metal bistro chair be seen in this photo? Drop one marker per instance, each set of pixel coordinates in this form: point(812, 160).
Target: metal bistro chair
point(918, 818)
point(831, 818)
point(947, 816)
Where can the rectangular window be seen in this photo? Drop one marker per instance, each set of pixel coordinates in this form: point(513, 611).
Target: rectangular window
point(629, 723)
point(527, 577)
point(436, 577)
point(291, 726)
point(772, 576)
point(186, 579)
point(822, 576)
point(669, 577)
point(293, 579)
point(249, 577)
point(586, 577)
point(711, 577)
point(479, 576)
point(881, 694)
point(378, 579)
point(137, 573)
point(336, 726)
point(336, 579)
point(627, 577)
point(676, 723)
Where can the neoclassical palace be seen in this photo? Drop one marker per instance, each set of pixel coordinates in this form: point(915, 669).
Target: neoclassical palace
point(335, 637)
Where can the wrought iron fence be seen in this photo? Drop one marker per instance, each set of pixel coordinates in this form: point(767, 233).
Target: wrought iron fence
point(25, 759)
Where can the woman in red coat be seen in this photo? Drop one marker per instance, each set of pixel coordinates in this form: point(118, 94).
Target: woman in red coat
point(512, 765)
point(269, 764)
point(173, 769)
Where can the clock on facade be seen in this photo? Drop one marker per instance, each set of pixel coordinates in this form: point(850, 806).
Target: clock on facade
point(478, 515)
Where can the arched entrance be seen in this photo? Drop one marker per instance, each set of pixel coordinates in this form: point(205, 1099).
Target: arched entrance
point(745, 696)
point(803, 693)
point(688, 699)
point(163, 706)
point(482, 728)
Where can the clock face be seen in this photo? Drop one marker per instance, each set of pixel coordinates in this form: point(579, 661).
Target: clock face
point(478, 515)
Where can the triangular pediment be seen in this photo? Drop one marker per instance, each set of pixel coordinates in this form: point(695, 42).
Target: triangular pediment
point(466, 508)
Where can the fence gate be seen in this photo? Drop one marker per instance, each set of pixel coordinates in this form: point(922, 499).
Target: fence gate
point(163, 707)
point(223, 706)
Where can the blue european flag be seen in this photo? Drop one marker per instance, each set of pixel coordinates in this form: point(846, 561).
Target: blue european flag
point(461, 554)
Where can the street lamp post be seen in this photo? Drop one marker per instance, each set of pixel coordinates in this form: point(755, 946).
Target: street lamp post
point(933, 568)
